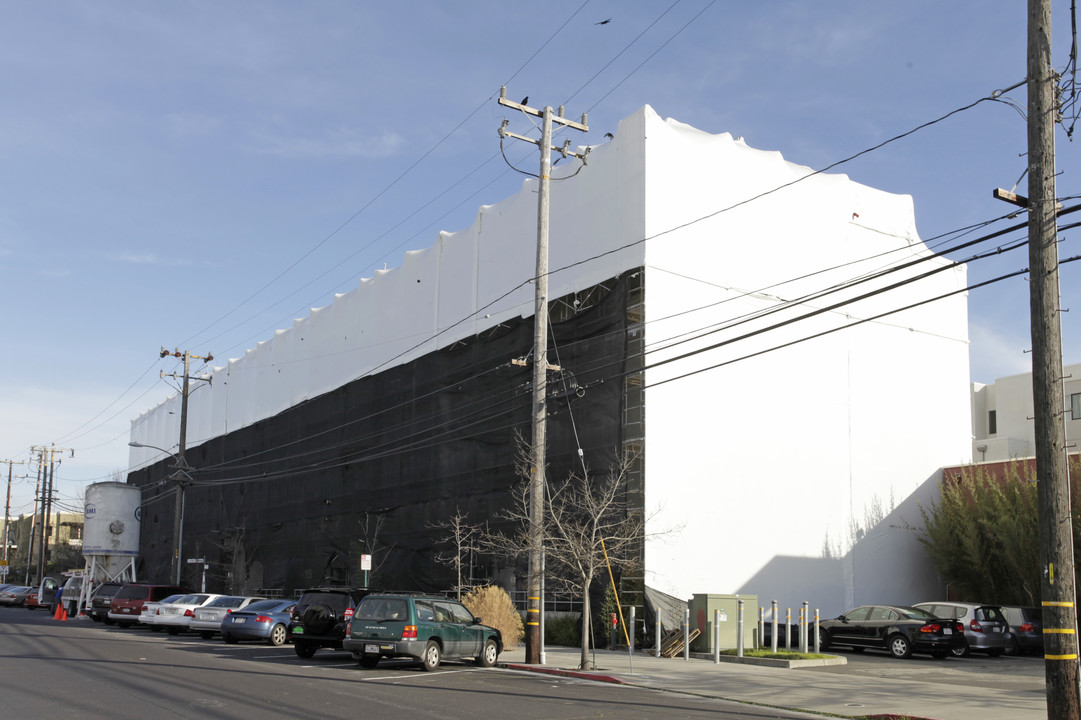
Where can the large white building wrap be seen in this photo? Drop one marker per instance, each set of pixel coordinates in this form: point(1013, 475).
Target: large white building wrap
point(789, 376)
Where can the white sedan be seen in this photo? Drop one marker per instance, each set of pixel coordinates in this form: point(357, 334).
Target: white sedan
point(148, 616)
point(206, 620)
point(176, 616)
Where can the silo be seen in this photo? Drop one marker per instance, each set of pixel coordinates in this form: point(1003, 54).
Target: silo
point(111, 531)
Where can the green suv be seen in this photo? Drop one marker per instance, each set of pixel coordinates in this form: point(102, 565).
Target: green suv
point(425, 628)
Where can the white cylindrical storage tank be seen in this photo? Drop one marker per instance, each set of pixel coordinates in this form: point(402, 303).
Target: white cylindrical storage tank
point(113, 513)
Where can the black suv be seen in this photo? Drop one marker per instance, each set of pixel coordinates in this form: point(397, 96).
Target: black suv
point(99, 601)
point(320, 617)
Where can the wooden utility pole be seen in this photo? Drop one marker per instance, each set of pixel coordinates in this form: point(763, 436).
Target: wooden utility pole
point(534, 607)
point(181, 476)
point(7, 508)
point(1056, 521)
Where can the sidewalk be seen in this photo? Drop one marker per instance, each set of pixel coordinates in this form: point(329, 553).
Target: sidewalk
point(844, 694)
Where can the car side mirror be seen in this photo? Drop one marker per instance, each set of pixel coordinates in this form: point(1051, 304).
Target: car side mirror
point(843, 619)
point(477, 621)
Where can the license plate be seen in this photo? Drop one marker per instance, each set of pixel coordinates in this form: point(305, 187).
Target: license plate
point(947, 631)
point(298, 631)
point(371, 648)
point(239, 621)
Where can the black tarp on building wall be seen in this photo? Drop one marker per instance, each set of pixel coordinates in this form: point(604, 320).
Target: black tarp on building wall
point(294, 500)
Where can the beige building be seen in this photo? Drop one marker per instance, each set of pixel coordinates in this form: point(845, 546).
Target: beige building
point(1002, 426)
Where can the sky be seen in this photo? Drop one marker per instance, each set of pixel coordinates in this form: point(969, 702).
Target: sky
point(194, 175)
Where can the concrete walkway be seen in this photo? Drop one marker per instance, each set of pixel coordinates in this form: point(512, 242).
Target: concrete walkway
point(888, 694)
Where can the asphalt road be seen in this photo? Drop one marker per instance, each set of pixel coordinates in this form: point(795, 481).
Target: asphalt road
point(81, 669)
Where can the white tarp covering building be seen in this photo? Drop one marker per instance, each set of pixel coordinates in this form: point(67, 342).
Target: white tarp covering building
point(786, 434)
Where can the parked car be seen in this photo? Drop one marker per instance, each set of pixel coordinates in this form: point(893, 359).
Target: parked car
point(986, 628)
point(1026, 624)
point(319, 618)
point(176, 616)
point(15, 595)
point(31, 601)
point(266, 620)
point(148, 618)
point(98, 611)
point(127, 604)
point(899, 630)
point(426, 629)
point(206, 620)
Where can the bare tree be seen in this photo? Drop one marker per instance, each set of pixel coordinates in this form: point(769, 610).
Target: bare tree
point(462, 537)
point(584, 516)
point(370, 544)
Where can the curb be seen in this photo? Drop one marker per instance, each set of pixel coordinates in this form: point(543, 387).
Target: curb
point(580, 674)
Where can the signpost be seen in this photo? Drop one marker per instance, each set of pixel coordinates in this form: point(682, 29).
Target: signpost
point(196, 561)
point(365, 565)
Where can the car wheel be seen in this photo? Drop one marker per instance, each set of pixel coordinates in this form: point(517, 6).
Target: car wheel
point(489, 654)
point(207, 634)
point(108, 621)
point(173, 630)
point(823, 639)
point(940, 654)
point(430, 659)
point(899, 646)
point(278, 635)
point(124, 625)
point(304, 650)
point(962, 651)
point(229, 639)
point(369, 662)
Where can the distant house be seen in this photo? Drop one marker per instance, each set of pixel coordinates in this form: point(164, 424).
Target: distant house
point(715, 307)
point(1002, 413)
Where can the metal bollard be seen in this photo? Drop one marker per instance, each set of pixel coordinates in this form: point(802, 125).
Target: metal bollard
point(761, 627)
point(739, 631)
point(773, 639)
point(818, 635)
point(657, 638)
point(788, 629)
point(630, 643)
point(803, 628)
point(686, 633)
point(717, 636)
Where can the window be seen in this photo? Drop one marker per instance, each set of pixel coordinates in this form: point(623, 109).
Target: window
point(992, 422)
point(1075, 406)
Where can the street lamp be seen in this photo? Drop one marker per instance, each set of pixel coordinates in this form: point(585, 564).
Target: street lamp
point(181, 467)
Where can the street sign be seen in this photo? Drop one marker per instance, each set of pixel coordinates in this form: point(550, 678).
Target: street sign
point(365, 562)
point(194, 561)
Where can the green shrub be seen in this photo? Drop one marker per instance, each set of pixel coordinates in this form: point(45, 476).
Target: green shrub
point(494, 607)
point(564, 630)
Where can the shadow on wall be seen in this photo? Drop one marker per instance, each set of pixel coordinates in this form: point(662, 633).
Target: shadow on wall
point(885, 563)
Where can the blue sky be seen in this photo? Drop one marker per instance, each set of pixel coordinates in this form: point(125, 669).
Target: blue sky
point(197, 174)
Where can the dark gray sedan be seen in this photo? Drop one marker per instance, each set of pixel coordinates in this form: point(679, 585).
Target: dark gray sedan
point(15, 596)
point(266, 620)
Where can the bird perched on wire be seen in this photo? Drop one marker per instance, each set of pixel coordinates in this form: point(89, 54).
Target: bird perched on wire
point(525, 100)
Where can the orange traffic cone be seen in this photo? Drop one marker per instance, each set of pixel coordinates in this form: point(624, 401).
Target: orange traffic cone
point(63, 613)
point(56, 614)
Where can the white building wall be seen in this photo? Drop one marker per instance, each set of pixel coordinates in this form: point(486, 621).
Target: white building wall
point(758, 470)
point(764, 462)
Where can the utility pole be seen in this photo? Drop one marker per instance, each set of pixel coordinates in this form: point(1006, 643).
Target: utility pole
point(7, 504)
point(1056, 522)
point(47, 475)
point(534, 607)
point(181, 475)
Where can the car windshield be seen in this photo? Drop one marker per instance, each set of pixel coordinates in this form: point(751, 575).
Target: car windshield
point(269, 605)
point(133, 591)
point(382, 609)
point(171, 599)
point(916, 613)
point(337, 602)
point(229, 601)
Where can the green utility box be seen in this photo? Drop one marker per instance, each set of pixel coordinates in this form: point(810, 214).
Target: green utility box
point(702, 612)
